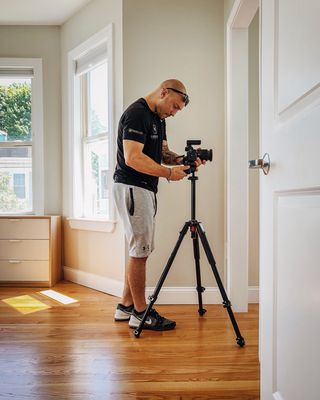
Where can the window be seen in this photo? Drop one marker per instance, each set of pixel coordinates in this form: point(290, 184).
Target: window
point(21, 176)
point(94, 128)
point(92, 133)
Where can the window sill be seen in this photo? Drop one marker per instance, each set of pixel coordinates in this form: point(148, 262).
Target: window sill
point(94, 225)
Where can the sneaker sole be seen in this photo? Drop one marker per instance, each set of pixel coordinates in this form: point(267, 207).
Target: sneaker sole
point(151, 328)
point(122, 319)
point(121, 316)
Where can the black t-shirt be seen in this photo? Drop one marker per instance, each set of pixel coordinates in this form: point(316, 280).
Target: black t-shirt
point(142, 125)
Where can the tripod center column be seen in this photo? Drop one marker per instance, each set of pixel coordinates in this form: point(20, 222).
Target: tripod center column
point(193, 180)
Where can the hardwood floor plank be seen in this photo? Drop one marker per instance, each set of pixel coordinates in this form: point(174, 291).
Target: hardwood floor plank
point(78, 351)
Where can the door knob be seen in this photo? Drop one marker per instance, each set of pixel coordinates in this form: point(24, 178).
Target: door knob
point(262, 163)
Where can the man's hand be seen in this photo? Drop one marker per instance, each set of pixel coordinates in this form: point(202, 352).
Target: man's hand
point(198, 162)
point(178, 173)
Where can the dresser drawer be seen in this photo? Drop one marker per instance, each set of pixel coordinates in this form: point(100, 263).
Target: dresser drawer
point(24, 271)
point(24, 228)
point(20, 249)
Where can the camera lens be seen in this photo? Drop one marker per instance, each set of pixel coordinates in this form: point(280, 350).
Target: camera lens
point(204, 154)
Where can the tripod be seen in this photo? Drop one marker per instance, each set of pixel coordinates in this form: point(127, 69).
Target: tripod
point(197, 231)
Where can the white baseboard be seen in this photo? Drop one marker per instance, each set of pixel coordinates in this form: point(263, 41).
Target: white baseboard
point(253, 294)
point(189, 295)
point(186, 295)
point(93, 281)
point(167, 295)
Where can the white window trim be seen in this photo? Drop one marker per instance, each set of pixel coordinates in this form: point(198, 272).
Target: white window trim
point(74, 134)
point(37, 131)
point(95, 225)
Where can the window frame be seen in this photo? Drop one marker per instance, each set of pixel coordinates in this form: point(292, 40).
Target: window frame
point(75, 200)
point(37, 132)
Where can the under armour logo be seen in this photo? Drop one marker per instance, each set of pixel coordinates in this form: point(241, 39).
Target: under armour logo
point(154, 128)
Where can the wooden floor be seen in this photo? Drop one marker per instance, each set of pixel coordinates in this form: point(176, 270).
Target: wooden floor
point(77, 351)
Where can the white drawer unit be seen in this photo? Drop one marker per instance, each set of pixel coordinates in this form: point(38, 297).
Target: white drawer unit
point(30, 251)
point(24, 271)
point(24, 228)
point(20, 249)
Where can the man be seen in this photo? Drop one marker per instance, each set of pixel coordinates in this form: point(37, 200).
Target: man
point(142, 147)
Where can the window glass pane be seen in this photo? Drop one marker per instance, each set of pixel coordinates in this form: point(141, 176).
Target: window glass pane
point(15, 109)
point(19, 185)
point(98, 100)
point(15, 179)
point(96, 179)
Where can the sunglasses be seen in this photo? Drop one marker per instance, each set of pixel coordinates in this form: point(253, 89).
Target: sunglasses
point(184, 95)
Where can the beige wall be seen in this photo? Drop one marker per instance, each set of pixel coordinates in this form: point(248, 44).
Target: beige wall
point(95, 252)
point(182, 39)
point(253, 124)
point(43, 42)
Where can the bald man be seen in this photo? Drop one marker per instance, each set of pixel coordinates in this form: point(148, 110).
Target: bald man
point(142, 149)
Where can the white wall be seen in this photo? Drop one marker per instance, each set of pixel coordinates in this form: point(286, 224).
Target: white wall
point(182, 39)
point(253, 125)
point(43, 42)
point(253, 141)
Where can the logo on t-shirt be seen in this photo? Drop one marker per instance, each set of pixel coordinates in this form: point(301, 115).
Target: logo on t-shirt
point(130, 130)
point(154, 132)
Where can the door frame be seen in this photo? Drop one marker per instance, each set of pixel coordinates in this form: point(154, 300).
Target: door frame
point(237, 210)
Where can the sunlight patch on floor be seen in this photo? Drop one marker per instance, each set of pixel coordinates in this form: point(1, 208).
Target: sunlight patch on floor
point(26, 304)
point(61, 298)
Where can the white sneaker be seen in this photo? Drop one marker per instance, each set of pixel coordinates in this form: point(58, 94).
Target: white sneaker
point(123, 313)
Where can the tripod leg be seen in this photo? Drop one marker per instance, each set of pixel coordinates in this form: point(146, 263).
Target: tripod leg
point(200, 288)
point(226, 302)
point(163, 276)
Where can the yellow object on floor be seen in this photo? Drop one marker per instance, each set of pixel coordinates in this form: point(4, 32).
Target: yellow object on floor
point(26, 304)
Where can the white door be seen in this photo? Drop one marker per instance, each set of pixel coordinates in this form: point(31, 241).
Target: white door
point(290, 200)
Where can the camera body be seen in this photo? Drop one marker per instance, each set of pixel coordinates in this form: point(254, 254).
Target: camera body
point(192, 155)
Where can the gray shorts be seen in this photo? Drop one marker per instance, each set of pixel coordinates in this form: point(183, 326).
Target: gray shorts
point(137, 208)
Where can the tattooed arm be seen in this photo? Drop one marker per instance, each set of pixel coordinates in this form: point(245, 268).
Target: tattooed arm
point(169, 157)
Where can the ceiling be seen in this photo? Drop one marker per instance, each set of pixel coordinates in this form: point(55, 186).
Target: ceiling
point(38, 12)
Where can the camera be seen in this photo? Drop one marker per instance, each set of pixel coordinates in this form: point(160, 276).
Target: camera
point(192, 155)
